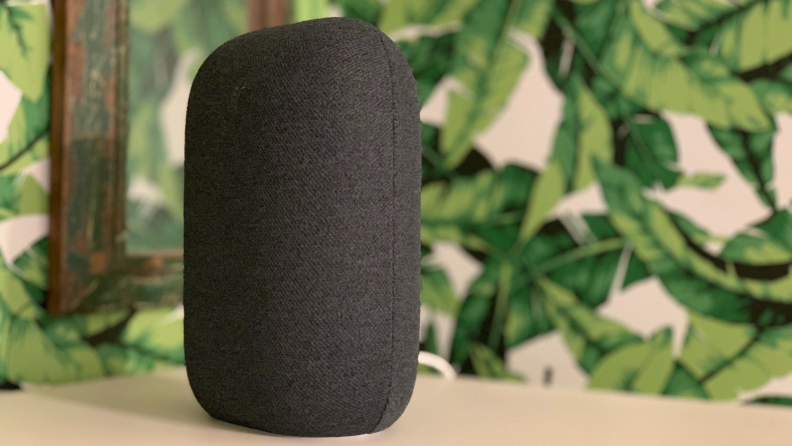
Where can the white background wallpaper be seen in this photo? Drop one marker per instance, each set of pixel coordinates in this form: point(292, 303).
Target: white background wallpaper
point(524, 135)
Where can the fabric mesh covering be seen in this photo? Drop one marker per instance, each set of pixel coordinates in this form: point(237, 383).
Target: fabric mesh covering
point(302, 222)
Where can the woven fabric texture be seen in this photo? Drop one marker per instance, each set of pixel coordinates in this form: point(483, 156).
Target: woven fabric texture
point(302, 221)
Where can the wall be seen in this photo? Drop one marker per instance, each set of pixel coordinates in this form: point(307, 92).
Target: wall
point(34, 347)
point(603, 202)
point(168, 42)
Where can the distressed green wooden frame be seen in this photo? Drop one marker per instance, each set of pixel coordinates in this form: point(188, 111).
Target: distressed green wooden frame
point(89, 267)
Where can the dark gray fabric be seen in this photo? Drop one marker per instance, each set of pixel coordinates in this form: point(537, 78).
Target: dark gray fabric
point(301, 250)
point(407, 224)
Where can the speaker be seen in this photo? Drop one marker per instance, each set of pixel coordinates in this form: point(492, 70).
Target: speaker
point(302, 230)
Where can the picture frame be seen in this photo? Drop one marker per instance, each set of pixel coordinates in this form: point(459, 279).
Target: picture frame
point(89, 266)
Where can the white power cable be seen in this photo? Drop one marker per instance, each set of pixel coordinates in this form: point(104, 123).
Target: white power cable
point(437, 363)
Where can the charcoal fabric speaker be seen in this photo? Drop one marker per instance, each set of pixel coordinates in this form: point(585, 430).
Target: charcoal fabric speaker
point(302, 230)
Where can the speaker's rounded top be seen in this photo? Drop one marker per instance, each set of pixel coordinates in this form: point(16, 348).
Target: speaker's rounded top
point(323, 42)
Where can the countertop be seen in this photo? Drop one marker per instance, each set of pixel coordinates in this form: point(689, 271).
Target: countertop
point(159, 409)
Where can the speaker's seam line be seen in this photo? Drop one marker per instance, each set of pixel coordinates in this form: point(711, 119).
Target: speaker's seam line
point(393, 227)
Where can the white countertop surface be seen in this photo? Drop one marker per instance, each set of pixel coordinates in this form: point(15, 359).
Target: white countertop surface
point(159, 409)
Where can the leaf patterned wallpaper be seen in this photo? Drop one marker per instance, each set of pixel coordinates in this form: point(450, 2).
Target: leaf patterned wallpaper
point(168, 42)
point(603, 202)
point(34, 347)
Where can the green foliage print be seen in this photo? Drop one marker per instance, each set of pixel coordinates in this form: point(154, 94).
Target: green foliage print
point(34, 347)
point(621, 67)
point(168, 42)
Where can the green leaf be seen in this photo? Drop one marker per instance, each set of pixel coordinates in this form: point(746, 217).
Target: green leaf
point(698, 280)
point(95, 323)
point(145, 52)
point(774, 400)
point(489, 63)
point(526, 317)
point(589, 270)
point(589, 336)
point(33, 199)
point(746, 34)
point(430, 60)
point(683, 384)
point(146, 158)
point(145, 151)
point(775, 94)
point(487, 364)
point(437, 293)
point(465, 206)
point(534, 17)
point(650, 151)
point(706, 298)
point(38, 151)
point(121, 360)
point(143, 322)
point(755, 250)
point(585, 135)
point(693, 231)
point(157, 333)
point(31, 266)
point(22, 195)
point(752, 154)
point(506, 278)
point(644, 367)
point(309, 10)
point(651, 68)
point(779, 229)
point(33, 357)
point(397, 14)
point(550, 188)
point(5, 327)
point(728, 358)
point(551, 185)
point(8, 197)
point(89, 364)
point(499, 308)
point(695, 15)
point(541, 254)
point(702, 180)
point(430, 344)
point(171, 183)
point(72, 329)
point(552, 250)
point(757, 36)
point(27, 127)
point(25, 47)
point(586, 267)
point(151, 233)
point(16, 298)
point(470, 325)
point(593, 21)
point(152, 16)
point(485, 310)
point(366, 10)
point(205, 25)
point(233, 15)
